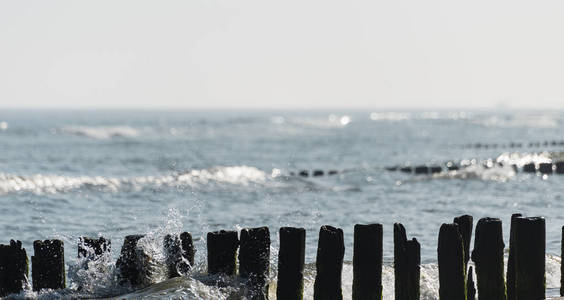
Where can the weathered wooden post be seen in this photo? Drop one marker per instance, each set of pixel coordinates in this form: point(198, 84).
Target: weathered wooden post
point(530, 244)
point(559, 165)
point(180, 252)
point(488, 257)
point(465, 224)
point(511, 260)
point(407, 261)
point(222, 252)
point(13, 268)
point(128, 271)
point(367, 262)
point(48, 265)
point(545, 168)
point(470, 289)
point(421, 170)
point(291, 259)
point(452, 283)
point(329, 264)
point(93, 248)
point(529, 168)
point(254, 260)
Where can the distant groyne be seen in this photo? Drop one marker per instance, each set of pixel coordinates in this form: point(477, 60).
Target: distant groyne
point(246, 255)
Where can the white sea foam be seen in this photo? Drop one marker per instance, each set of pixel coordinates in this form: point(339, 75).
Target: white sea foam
point(330, 121)
point(51, 184)
point(519, 120)
point(102, 132)
point(429, 115)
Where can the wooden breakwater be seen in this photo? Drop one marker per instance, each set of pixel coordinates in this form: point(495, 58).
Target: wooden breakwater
point(247, 255)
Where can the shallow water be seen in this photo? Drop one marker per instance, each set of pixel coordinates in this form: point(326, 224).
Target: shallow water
point(64, 174)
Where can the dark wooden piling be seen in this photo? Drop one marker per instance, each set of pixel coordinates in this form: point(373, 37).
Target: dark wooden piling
point(452, 283)
point(14, 268)
point(470, 288)
point(48, 265)
point(465, 224)
point(254, 260)
point(93, 248)
point(317, 173)
point(179, 250)
point(452, 166)
point(488, 257)
point(222, 252)
point(421, 170)
point(559, 165)
point(530, 244)
point(128, 270)
point(329, 264)
point(562, 264)
point(529, 168)
point(406, 169)
point(407, 263)
point(367, 262)
point(511, 260)
point(291, 259)
point(545, 168)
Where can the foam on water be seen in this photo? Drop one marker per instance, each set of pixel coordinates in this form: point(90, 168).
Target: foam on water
point(51, 184)
point(102, 132)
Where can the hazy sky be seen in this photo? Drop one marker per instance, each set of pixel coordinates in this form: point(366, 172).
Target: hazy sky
point(282, 54)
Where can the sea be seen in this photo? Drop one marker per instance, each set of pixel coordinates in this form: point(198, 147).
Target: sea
point(112, 173)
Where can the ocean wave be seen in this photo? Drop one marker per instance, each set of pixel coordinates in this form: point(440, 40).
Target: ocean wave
point(429, 115)
point(519, 120)
point(199, 285)
point(51, 184)
point(330, 121)
point(102, 132)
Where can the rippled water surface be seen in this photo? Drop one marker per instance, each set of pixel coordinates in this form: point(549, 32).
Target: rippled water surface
point(64, 174)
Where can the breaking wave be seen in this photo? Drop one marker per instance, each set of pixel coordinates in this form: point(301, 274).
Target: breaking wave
point(197, 285)
point(50, 184)
point(102, 132)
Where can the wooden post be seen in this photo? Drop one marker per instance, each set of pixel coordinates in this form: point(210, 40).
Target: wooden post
point(93, 248)
point(413, 267)
point(254, 260)
point(559, 167)
point(470, 289)
point(329, 264)
point(488, 257)
point(465, 224)
point(13, 268)
point(545, 168)
point(511, 260)
point(128, 271)
point(222, 252)
point(180, 252)
point(291, 259)
point(530, 243)
point(529, 168)
point(48, 265)
point(421, 170)
point(407, 261)
point(367, 262)
point(452, 284)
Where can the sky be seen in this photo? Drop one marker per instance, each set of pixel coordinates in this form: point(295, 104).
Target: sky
point(294, 54)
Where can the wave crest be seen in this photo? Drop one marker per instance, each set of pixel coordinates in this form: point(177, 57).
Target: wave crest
point(51, 184)
point(102, 132)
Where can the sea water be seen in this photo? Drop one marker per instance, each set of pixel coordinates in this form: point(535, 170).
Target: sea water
point(65, 174)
